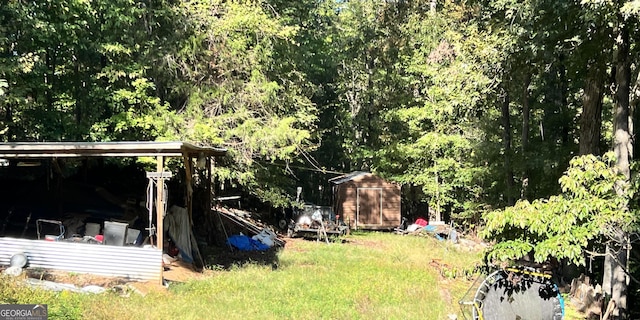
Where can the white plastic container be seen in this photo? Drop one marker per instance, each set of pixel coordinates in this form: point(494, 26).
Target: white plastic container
point(91, 229)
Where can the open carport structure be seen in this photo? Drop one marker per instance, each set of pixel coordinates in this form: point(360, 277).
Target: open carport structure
point(130, 262)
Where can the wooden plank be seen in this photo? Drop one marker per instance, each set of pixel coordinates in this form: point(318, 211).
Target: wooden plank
point(188, 172)
point(160, 209)
point(102, 149)
point(246, 224)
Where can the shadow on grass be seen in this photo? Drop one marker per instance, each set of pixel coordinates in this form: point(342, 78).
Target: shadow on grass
point(225, 258)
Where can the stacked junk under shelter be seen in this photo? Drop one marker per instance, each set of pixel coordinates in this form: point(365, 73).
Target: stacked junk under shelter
point(63, 207)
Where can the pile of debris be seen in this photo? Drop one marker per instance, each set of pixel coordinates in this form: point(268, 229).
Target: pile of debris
point(252, 234)
point(587, 298)
point(317, 225)
point(437, 229)
point(442, 232)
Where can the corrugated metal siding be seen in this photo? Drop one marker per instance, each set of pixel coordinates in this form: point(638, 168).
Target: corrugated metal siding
point(133, 263)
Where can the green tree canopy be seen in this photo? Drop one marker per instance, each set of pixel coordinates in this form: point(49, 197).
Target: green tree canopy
point(564, 226)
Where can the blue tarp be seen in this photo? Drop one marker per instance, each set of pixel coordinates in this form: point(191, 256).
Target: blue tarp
point(244, 243)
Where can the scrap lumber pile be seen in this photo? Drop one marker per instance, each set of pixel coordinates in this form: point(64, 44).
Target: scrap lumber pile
point(244, 220)
point(587, 299)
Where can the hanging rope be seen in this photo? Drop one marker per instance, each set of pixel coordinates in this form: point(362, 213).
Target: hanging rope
point(150, 204)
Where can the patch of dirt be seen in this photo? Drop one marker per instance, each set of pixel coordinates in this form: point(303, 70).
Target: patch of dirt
point(444, 270)
point(444, 292)
point(293, 244)
point(79, 280)
point(179, 271)
point(144, 288)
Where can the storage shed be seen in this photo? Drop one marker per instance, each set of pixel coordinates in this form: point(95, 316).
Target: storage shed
point(365, 201)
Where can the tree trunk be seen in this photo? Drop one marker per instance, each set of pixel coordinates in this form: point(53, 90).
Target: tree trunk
point(9, 121)
point(562, 103)
point(623, 142)
point(506, 137)
point(615, 279)
point(76, 90)
point(634, 108)
point(591, 117)
point(48, 79)
point(526, 115)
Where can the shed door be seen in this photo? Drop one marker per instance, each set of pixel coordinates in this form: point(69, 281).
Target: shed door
point(369, 206)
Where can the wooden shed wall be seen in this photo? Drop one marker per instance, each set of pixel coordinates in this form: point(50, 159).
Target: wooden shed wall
point(346, 203)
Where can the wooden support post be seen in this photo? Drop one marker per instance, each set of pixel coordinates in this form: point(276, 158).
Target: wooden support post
point(160, 211)
point(211, 224)
point(188, 172)
point(209, 188)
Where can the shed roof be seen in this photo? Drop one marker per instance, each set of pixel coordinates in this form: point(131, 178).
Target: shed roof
point(348, 177)
point(105, 149)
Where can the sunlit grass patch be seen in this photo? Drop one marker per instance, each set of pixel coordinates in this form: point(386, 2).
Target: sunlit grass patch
point(370, 276)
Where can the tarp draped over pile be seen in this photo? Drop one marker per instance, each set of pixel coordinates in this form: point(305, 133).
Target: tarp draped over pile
point(244, 243)
point(177, 224)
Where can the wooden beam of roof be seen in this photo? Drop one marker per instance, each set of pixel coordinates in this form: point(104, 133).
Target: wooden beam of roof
point(105, 149)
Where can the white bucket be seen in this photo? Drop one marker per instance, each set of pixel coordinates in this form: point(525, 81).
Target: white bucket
point(91, 229)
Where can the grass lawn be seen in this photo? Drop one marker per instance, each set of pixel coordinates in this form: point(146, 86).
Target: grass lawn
point(370, 276)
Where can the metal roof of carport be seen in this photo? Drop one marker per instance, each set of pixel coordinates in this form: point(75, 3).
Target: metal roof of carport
point(105, 149)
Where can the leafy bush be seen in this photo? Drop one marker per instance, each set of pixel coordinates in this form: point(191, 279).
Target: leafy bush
point(594, 200)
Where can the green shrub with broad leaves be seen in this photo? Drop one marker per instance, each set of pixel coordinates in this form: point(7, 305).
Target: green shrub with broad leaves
point(595, 199)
